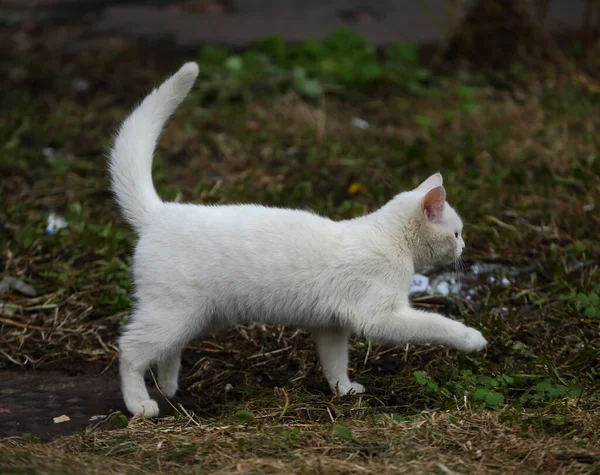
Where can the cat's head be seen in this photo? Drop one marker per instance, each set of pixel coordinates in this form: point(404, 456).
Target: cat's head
point(434, 229)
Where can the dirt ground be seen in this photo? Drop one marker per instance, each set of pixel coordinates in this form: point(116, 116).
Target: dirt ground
point(29, 401)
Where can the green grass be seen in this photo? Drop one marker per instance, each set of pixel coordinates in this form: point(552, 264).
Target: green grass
point(521, 166)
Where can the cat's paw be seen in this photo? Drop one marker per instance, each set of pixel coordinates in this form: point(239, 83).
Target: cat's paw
point(471, 340)
point(351, 388)
point(145, 408)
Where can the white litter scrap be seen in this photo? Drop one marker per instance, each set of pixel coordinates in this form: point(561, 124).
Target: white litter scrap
point(55, 224)
point(419, 284)
point(443, 288)
point(80, 85)
point(8, 284)
point(445, 284)
point(63, 418)
point(97, 418)
point(49, 154)
point(359, 123)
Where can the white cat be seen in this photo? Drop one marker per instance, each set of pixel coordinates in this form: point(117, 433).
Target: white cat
point(199, 268)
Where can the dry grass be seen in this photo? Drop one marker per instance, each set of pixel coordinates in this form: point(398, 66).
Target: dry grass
point(431, 442)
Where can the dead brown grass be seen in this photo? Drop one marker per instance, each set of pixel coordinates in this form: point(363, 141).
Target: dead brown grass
point(432, 442)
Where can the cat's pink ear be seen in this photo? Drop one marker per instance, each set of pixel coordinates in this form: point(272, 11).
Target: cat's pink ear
point(433, 203)
point(431, 182)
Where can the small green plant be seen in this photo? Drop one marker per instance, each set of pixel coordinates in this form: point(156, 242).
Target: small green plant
point(423, 121)
point(491, 392)
point(117, 420)
point(466, 95)
point(589, 304)
point(548, 390)
point(426, 381)
point(343, 432)
point(518, 71)
point(485, 391)
point(341, 60)
point(244, 416)
point(290, 435)
point(490, 389)
point(586, 302)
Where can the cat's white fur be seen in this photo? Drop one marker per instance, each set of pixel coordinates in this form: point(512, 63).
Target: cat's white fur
point(199, 268)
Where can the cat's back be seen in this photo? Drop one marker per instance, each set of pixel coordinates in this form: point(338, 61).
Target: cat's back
point(243, 218)
point(236, 231)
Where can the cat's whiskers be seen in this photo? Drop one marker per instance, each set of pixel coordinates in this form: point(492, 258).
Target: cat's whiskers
point(458, 268)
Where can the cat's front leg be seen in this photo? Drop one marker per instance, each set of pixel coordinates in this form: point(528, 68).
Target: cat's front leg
point(409, 325)
point(332, 346)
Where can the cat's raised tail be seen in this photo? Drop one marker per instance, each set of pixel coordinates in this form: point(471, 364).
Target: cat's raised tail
point(130, 163)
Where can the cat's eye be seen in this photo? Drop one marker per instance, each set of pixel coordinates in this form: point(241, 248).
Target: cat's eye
point(456, 235)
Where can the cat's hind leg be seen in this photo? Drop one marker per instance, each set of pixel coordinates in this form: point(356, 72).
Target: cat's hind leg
point(155, 335)
point(332, 346)
point(168, 373)
point(136, 356)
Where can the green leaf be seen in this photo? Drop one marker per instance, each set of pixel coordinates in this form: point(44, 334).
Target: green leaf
point(423, 120)
point(592, 312)
point(307, 87)
point(577, 248)
point(405, 53)
point(310, 88)
point(275, 47)
point(370, 71)
point(480, 394)
point(466, 92)
point(494, 399)
point(583, 300)
point(313, 49)
point(430, 385)
point(234, 63)
point(212, 56)
point(244, 416)
point(484, 380)
point(118, 420)
point(343, 431)
point(545, 385)
point(420, 377)
point(470, 107)
point(574, 391)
